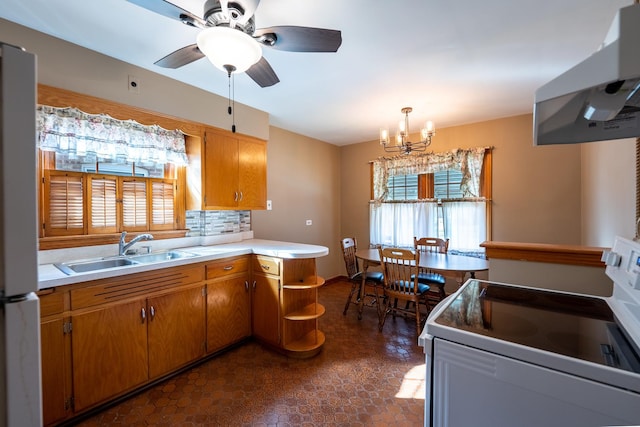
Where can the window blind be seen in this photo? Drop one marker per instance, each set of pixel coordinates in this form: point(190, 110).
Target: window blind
point(102, 206)
point(65, 204)
point(162, 209)
point(134, 205)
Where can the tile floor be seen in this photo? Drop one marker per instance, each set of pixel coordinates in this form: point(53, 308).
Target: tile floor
point(361, 378)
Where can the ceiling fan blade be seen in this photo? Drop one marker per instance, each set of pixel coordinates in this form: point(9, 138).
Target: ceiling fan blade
point(180, 57)
point(262, 73)
point(170, 10)
point(300, 39)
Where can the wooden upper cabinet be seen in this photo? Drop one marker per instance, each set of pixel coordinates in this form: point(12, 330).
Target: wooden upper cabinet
point(232, 171)
point(252, 173)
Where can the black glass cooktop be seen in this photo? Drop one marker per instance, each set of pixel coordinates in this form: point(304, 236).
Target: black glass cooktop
point(577, 326)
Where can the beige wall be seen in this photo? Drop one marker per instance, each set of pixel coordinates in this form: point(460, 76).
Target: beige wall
point(303, 182)
point(536, 190)
point(608, 191)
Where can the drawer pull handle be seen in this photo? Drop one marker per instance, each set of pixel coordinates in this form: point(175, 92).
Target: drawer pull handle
point(228, 267)
point(264, 267)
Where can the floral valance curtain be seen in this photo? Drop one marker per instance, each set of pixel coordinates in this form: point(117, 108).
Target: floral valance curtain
point(101, 137)
point(469, 161)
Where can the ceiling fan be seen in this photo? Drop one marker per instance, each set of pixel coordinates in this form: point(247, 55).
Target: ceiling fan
point(231, 42)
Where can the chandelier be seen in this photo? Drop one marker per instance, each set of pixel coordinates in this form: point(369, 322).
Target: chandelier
point(402, 143)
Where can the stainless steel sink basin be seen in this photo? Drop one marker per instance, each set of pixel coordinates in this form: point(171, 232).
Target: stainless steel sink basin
point(94, 265)
point(85, 266)
point(160, 256)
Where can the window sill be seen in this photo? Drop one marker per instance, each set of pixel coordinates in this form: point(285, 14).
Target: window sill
point(46, 243)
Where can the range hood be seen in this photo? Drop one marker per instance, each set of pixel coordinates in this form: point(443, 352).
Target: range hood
point(598, 99)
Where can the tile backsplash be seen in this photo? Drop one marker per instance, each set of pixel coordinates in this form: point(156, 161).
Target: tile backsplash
point(215, 223)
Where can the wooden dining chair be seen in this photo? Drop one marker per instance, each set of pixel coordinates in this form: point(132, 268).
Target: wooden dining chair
point(400, 268)
point(373, 279)
point(434, 280)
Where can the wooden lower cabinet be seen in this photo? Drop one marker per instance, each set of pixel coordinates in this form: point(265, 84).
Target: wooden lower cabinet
point(266, 308)
point(228, 302)
point(176, 330)
point(110, 355)
point(228, 312)
point(138, 341)
point(56, 396)
point(285, 304)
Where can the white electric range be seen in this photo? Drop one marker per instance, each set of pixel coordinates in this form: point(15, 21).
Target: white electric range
point(507, 355)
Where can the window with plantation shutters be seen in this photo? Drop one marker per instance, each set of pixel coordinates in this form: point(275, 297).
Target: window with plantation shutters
point(64, 200)
point(134, 205)
point(102, 204)
point(162, 209)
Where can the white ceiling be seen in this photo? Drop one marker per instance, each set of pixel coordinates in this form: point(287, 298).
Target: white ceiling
point(454, 62)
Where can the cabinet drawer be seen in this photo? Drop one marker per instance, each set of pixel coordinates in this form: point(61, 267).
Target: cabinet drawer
point(51, 302)
point(265, 264)
point(227, 266)
point(132, 285)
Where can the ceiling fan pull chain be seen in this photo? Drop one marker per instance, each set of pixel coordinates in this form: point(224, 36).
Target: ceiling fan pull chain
point(231, 97)
point(233, 102)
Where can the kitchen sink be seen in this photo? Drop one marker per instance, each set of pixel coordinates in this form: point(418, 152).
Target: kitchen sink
point(160, 256)
point(93, 265)
point(85, 266)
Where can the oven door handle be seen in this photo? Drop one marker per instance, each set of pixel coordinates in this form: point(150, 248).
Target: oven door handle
point(609, 354)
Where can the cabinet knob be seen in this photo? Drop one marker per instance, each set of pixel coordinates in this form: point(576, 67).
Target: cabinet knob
point(143, 314)
point(254, 284)
point(246, 286)
point(152, 312)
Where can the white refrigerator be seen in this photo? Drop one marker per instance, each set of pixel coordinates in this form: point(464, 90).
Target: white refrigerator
point(20, 376)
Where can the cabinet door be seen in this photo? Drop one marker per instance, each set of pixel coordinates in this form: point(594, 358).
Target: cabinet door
point(109, 348)
point(228, 312)
point(252, 178)
point(220, 170)
point(55, 394)
point(176, 330)
point(266, 308)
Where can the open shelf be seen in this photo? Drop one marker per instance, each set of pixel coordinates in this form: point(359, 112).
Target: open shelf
point(312, 311)
point(309, 342)
point(308, 283)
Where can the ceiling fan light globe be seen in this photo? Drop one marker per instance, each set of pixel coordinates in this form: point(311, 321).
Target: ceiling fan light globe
point(228, 46)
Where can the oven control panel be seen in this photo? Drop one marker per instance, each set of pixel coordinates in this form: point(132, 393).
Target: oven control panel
point(623, 263)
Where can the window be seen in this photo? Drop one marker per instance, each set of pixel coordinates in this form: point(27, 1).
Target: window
point(428, 195)
point(101, 176)
point(403, 187)
point(113, 204)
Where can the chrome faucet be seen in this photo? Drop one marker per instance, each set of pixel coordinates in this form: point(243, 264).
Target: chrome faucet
point(122, 247)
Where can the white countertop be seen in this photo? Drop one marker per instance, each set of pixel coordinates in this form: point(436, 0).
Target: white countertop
point(50, 276)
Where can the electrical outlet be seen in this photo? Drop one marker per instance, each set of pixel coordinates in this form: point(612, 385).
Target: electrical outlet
point(269, 205)
point(134, 84)
point(309, 222)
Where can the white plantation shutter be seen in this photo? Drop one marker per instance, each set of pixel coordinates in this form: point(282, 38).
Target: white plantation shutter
point(134, 205)
point(64, 198)
point(162, 209)
point(102, 204)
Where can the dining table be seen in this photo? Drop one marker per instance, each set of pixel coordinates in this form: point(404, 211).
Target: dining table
point(453, 266)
